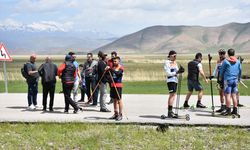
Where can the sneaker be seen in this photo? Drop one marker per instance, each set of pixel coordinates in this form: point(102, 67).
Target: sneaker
point(227, 112)
point(51, 109)
point(223, 107)
point(172, 115)
point(44, 109)
point(36, 106)
point(185, 105)
point(104, 110)
point(240, 105)
point(200, 105)
point(31, 107)
point(76, 110)
point(119, 117)
point(234, 112)
point(66, 111)
point(114, 116)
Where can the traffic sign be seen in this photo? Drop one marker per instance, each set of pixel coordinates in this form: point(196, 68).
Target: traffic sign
point(4, 55)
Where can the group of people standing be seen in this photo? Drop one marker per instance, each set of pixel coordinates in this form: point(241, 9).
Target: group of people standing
point(92, 78)
point(227, 71)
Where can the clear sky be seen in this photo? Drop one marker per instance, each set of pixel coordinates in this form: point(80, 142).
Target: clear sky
point(120, 16)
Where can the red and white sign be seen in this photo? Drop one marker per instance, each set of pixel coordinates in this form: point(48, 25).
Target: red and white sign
point(4, 55)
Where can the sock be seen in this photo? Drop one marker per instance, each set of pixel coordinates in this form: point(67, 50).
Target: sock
point(199, 101)
point(170, 108)
point(186, 102)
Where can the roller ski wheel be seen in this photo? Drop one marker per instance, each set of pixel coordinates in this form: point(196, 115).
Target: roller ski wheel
point(187, 117)
point(192, 107)
point(235, 116)
point(164, 116)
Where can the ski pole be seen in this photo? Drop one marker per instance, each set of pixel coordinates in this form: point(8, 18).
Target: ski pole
point(211, 84)
point(92, 93)
point(118, 93)
point(178, 94)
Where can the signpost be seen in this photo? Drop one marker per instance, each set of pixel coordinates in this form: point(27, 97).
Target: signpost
point(4, 56)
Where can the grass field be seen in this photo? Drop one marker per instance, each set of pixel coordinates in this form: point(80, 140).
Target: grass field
point(112, 136)
point(144, 74)
point(130, 87)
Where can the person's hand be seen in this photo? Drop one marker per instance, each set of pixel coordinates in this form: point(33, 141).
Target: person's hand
point(206, 80)
point(211, 77)
point(107, 68)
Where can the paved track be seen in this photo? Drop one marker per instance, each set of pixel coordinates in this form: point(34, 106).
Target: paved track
point(138, 109)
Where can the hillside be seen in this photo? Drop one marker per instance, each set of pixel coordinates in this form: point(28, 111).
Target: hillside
point(183, 39)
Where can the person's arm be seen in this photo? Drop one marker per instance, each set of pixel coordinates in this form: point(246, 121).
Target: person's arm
point(168, 70)
point(240, 71)
point(215, 73)
point(29, 69)
point(202, 72)
point(222, 70)
point(60, 70)
point(40, 70)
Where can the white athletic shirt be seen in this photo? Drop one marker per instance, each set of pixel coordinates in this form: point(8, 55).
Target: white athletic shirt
point(171, 71)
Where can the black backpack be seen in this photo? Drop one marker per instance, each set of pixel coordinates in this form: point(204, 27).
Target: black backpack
point(24, 71)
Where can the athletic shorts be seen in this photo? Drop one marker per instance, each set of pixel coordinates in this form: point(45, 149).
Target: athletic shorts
point(172, 87)
point(194, 85)
point(113, 93)
point(231, 86)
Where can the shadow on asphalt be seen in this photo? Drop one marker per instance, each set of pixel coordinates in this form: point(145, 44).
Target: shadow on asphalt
point(150, 116)
point(216, 115)
point(96, 118)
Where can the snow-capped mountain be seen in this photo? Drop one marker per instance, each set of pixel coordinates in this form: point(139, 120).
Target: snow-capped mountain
point(50, 38)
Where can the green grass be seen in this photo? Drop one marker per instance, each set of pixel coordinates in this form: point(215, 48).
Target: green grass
point(139, 87)
point(111, 136)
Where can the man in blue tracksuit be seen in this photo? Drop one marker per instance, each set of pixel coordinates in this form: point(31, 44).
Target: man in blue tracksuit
point(230, 72)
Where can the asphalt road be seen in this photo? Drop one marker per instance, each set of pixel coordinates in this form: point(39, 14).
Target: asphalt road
point(137, 109)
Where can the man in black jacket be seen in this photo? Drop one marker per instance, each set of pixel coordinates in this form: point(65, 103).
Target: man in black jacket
point(103, 79)
point(67, 72)
point(48, 72)
point(90, 70)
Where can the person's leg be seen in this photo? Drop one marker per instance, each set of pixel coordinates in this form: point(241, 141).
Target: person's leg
point(29, 96)
point(75, 89)
point(222, 101)
point(35, 91)
point(190, 92)
point(198, 87)
point(52, 94)
point(88, 91)
point(234, 97)
point(228, 96)
point(66, 95)
point(103, 96)
point(95, 94)
point(45, 95)
point(69, 99)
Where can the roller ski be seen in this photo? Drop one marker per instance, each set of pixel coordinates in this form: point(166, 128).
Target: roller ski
point(175, 116)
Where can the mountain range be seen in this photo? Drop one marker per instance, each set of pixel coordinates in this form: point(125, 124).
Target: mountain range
point(51, 40)
point(183, 39)
point(155, 39)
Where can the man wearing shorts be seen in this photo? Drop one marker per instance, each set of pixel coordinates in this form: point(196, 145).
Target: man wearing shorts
point(230, 72)
point(116, 87)
point(216, 73)
point(194, 69)
point(171, 69)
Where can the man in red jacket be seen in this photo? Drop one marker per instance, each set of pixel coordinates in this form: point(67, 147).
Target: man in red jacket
point(67, 73)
